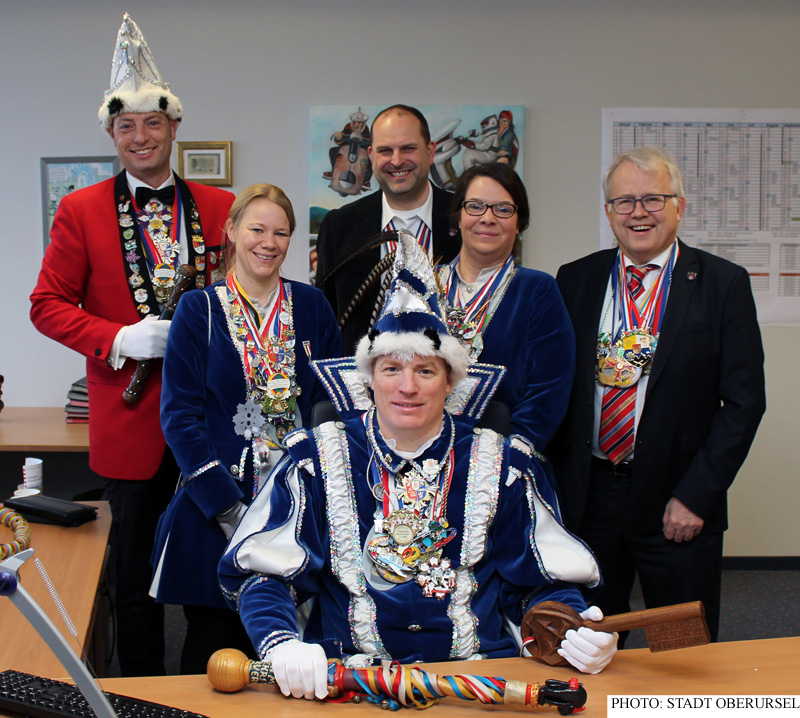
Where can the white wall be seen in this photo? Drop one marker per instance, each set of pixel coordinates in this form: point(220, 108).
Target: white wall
point(247, 70)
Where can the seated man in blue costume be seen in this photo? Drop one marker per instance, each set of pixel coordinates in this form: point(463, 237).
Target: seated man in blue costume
point(418, 536)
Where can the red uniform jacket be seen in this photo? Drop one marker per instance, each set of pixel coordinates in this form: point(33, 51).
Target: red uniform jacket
point(82, 300)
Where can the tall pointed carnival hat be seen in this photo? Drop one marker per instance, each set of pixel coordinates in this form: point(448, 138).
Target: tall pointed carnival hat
point(136, 84)
point(412, 322)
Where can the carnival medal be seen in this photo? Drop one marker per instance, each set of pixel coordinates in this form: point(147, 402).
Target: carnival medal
point(163, 281)
point(436, 578)
point(638, 346)
point(408, 543)
point(614, 370)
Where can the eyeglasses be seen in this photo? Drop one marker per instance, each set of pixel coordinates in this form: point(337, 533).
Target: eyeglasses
point(650, 203)
point(502, 210)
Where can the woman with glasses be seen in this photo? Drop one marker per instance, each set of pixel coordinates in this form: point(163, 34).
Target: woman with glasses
point(504, 313)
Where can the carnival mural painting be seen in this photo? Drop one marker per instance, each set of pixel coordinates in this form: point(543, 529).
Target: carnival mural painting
point(465, 135)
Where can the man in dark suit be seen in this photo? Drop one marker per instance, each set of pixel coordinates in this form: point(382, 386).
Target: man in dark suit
point(401, 153)
point(667, 397)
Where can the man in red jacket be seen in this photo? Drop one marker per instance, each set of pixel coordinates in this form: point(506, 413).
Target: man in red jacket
point(110, 267)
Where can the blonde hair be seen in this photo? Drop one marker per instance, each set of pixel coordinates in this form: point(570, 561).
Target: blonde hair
point(270, 192)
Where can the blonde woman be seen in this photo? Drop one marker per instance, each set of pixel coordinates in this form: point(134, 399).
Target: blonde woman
point(236, 380)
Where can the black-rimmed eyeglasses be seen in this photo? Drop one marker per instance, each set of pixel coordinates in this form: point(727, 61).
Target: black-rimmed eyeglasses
point(650, 203)
point(502, 210)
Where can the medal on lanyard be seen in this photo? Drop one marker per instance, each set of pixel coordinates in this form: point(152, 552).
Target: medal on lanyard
point(466, 322)
point(634, 346)
point(268, 363)
point(409, 541)
point(162, 253)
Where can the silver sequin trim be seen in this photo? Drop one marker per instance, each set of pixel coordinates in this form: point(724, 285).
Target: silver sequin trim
point(201, 470)
point(345, 539)
point(480, 508)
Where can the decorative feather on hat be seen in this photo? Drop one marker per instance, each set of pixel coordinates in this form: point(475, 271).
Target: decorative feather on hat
point(412, 321)
point(136, 84)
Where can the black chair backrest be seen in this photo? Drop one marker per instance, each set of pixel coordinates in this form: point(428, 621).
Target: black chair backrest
point(323, 411)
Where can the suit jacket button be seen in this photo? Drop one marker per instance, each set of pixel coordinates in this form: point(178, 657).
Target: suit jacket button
point(97, 352)
point(415, 628)
point(235, 470)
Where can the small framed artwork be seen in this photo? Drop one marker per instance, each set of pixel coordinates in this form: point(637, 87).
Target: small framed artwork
point(206, 162)
point(63, 175)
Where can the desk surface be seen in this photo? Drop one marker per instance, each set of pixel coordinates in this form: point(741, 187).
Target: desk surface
point(73, 559)
point(767, 667)
point(40, 429)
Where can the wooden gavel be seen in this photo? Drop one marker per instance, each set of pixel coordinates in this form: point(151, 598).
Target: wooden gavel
point(666, 628)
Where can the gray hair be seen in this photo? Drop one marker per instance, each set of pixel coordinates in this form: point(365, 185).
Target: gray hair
point(649, 159)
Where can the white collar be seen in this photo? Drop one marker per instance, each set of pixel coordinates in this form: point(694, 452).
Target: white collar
point(423, 212)
point(659, 260)
point(391, 443)
point(134, 183)
point(483, 276)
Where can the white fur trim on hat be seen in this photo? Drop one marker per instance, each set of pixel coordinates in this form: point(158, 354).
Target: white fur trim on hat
point(407, 345)
point(155, 99)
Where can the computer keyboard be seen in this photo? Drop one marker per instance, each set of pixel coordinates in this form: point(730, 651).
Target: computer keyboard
point(28, 695)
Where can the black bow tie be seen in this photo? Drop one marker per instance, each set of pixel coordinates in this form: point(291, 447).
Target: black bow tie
point(165, 195)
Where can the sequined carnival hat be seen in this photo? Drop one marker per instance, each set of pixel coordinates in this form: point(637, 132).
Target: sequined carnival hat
point(136, 84)
point(412, 321)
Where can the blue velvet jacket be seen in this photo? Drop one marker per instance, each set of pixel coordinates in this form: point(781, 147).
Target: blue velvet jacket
point(304, 537)
point(204, 383)
point(530, 334)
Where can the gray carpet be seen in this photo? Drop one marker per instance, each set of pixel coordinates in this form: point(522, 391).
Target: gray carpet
point(755, 604)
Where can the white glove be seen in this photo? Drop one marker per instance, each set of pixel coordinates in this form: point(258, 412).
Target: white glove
point(300, 669)
point(146, 339)
point(229, 520)
point(589, 651)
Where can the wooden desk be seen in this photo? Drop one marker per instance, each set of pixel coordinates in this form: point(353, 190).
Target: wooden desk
point(767, 667)
point(74, 560)
point(37, 429)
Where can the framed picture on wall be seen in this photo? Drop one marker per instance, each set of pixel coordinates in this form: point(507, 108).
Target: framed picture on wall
point(340, 168)
point(206, 162)
point(63, 175)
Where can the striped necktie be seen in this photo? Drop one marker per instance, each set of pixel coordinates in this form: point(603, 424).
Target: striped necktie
point(635, 281)
point(618, 412)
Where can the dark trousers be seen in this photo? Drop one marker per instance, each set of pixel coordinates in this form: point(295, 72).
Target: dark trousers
point(669, 572)
point(208, 630)
point(135, 509)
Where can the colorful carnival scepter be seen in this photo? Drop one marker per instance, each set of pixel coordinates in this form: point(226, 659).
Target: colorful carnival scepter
point(393, 686)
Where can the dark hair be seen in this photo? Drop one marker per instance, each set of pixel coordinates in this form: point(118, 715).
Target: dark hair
point(408, 110)
point(505, 177)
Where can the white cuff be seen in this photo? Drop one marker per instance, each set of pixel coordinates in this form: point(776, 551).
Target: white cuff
point(115, 360)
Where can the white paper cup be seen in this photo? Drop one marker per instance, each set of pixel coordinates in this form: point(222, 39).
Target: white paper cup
point(32, 473)
point(21, 493)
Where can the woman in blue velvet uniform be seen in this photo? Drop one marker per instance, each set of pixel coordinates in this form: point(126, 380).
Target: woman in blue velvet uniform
point(236, 380)
point(419, 537)
point(506, 314)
